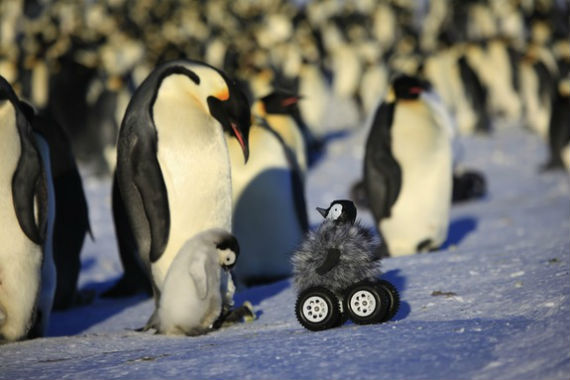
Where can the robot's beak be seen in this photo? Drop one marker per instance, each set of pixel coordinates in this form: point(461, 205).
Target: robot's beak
point(322, 211)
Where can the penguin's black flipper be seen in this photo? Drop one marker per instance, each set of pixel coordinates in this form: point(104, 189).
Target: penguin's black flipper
point(28, 184)
point(382, 173)
point(134, 278)
point(150, 185)
point(331, 261)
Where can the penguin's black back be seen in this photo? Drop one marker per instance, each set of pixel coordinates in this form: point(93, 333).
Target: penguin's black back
point(71, 209)
point(382, 173)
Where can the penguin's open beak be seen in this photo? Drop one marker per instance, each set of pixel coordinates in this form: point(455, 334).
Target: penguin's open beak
point(243, 140)
point(322, 211)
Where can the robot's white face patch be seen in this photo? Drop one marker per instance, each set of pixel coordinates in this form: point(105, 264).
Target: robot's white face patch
point(227, 257)
point(335, 212)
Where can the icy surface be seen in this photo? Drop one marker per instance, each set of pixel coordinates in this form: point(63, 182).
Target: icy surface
point(492, 304)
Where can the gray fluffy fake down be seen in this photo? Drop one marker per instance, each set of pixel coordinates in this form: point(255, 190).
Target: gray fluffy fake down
point(357, 261)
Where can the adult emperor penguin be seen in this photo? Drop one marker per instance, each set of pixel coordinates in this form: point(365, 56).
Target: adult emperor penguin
point(272, 180)
point(173, 168)
point(280, 109)
point(198, 288)
point(27, 271)
point(408, 168)
point(72, 216)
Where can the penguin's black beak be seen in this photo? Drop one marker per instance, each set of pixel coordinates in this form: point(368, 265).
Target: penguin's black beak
point(242, 136)
point(322, 211)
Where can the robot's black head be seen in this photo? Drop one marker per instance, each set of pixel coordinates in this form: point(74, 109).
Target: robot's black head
point(340, 210)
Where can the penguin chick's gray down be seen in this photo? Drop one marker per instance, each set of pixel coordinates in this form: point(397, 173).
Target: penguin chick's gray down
point(338, 254)
point(198, 287)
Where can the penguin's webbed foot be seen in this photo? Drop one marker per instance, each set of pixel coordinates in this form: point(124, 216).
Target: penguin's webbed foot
point(243, 313)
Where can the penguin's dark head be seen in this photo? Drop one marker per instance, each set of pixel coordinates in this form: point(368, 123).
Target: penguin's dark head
point(340, 210)
point(408, 87)
point(280, 102)
point(231, 109)
point(228, 251)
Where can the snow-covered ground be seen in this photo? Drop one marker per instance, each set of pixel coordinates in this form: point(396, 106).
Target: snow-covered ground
point(493, 304)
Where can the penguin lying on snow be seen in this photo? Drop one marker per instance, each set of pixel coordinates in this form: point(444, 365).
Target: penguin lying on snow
point(340, 253)
point(198, 290)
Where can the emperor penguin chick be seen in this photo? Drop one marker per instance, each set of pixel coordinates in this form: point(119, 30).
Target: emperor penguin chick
point(198, 287)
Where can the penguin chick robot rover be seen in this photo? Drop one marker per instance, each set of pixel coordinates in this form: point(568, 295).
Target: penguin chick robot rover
point(337, 273)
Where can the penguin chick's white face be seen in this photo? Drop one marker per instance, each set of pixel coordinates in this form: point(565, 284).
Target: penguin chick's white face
point(227, 258)
point(335, 212)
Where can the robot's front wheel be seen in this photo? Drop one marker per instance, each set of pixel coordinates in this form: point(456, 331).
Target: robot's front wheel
point(318, 309)
point(366, 303)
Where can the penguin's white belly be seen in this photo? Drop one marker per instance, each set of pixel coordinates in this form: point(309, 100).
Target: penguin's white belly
point(265, 221)
point(20, 258)
point(286, 127)
point(194, 162)
point(373, 86)
point(316, 95)
point(423, 150)
point(182, 311)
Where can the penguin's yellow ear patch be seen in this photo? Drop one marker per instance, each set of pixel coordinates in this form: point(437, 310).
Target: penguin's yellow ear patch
point(223, 94)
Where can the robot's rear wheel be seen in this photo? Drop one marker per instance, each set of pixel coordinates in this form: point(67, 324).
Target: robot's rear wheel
point(366, 303)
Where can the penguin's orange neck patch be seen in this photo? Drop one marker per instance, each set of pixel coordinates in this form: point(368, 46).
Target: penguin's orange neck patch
point(223, 94)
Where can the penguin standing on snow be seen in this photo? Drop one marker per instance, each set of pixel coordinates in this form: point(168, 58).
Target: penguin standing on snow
point(559, 127)
point(27, 270)
point(408, 168)
point(71, 214)
point(198, 289)
point(173, 168)
point(272, 179)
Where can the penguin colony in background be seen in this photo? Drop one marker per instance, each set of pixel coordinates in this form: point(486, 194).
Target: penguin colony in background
point(86, 68)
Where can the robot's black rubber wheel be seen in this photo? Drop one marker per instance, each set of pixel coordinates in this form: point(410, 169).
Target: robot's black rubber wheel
point(366, 303)
point(318, 309)
point(393, 297)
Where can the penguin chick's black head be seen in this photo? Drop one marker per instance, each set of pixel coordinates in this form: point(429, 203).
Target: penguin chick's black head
point(340, 210)
point(232, 111)
point(409, 87)
point(280, 102)
point(228, 249)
